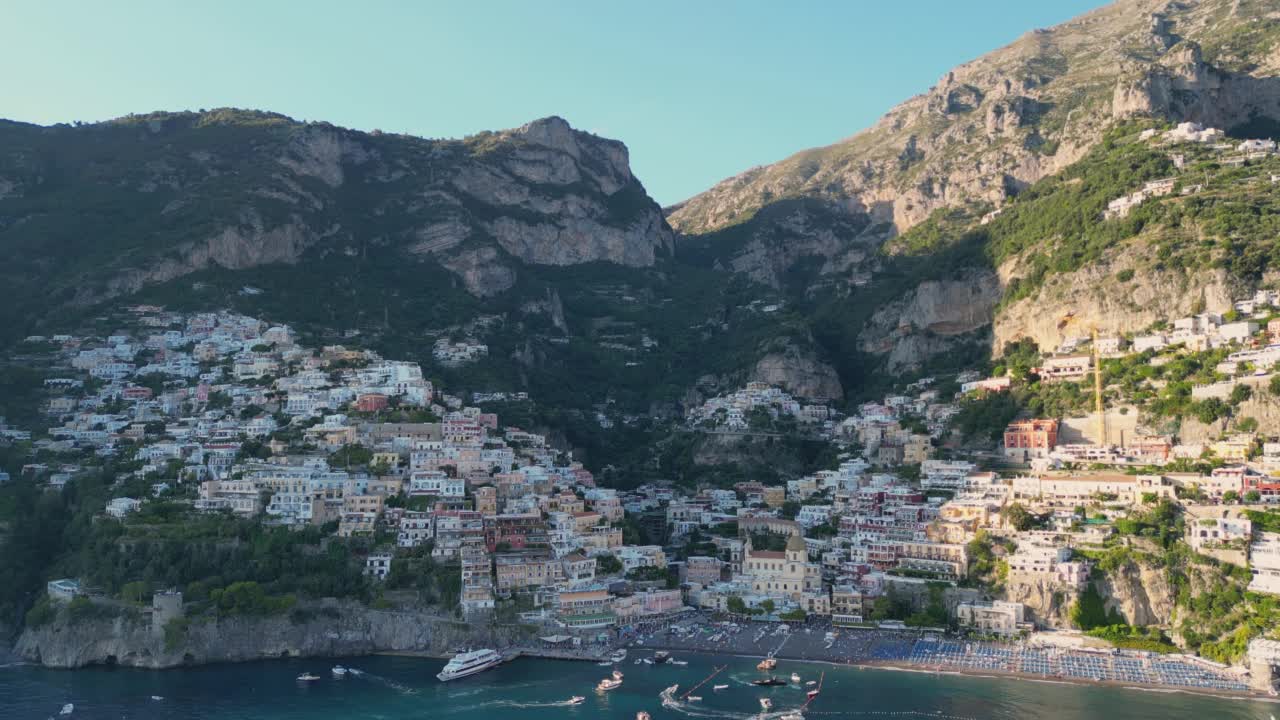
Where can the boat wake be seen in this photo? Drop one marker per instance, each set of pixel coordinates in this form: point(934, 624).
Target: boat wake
point(388, 682)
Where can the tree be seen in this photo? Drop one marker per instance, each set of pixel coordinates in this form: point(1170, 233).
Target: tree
point(1252, 496)
point(608, 565)
point(1091, 611)
point(134, 591)
point(736, 605)
point(768, 606)
point(1274, 385)
point(1240, 393)
point(1018, 517)
point(1230, 496)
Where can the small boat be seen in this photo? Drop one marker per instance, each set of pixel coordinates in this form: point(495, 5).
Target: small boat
point(619, 655)
point(575, 700)
point(811, 683)
point(767, 664)
point(339, 671)
point(771, 681)
point(308, 677)
point(354, 671)
point(679, 662)
point(647, 661)
point(604, 663)
point(795, 678)
point(694, 698)
point(67, 709)
point(793, 715)
point(661, 656)
point(157, 698)
point(812, 693)
point(642, 715)
point(609, 683)
point(718, 688)
point(766, 704)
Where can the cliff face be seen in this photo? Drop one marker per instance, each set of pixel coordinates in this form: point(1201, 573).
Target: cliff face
point(930, 318)
point(982, 135)
point(342, 631)
point(147, 199)
point(799, 372)
point(1048, 603)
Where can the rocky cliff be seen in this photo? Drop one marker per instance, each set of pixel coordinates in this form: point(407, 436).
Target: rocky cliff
point(147, 199)
point(986, 132)
point(998, 123)
point(330, 631)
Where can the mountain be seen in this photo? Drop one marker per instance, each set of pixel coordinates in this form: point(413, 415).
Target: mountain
point(149, 198)
point(969, 216)
point(538, 241)
point(828, 222)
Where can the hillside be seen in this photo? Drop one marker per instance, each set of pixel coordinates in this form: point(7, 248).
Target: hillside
point(991, 128)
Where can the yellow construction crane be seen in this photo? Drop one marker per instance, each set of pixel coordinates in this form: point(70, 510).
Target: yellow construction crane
point(1066, 321)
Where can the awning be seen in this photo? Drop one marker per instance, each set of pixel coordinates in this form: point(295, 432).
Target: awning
point(556, 639)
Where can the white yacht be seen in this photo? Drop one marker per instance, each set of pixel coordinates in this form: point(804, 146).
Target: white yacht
point(339, 671)
point(469, 663)
point(618, 655)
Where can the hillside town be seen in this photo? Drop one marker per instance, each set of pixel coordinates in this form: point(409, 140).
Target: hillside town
point(232, 415)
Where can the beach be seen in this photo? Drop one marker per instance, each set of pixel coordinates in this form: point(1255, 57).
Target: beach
point(928, 652)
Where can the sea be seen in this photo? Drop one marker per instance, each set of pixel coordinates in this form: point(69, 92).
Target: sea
point(390, 688)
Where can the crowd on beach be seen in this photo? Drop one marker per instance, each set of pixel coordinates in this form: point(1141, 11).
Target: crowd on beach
point(819, 641)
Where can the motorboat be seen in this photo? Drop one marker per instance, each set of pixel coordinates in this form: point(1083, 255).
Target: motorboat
point(694, 698)
point(766, 704)
point(308, 677)
point(469, 663)
point(157, 698)
point(767, 664)
point(604, 663)
point(576, 700)
point(67, 709)
point(339, 671)
point(795, 678)
point(770, 681)
point(610, 683)
point(661, 656)
point(718, 688)
point(811, 683)
point(679, 662)
point(642, 715)
point(618, 655)
point(812, 693)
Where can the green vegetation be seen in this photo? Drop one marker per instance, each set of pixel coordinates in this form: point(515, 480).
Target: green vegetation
point(1151, 639)
point(1090, 612)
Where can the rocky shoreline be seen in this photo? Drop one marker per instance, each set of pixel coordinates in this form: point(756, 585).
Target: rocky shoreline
point(332, 630)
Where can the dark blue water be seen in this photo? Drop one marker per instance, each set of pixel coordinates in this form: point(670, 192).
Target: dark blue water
point(394, 688)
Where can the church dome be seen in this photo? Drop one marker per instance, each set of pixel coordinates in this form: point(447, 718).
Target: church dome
point(795, 543)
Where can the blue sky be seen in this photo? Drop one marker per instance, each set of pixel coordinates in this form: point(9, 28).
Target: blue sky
point(698, 89)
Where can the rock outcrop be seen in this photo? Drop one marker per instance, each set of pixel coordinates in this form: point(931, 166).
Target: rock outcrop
point(798, 372)
point(930, 318)
point(330, 631)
